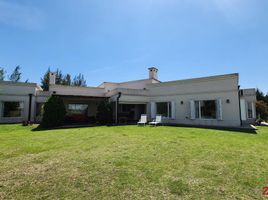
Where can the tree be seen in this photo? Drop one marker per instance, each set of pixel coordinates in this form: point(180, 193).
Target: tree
point(59, 77)
point(2, 74)
point(104, 113)
point(16, 75)
point(79, 81)
point(262, 109)
point(45, 80)
point(54, 112)
point(67, 80)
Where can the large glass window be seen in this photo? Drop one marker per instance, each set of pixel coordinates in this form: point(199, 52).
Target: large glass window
point(250, 112)
point(12, 109)
point(164, 109)
point(206, 109)
point(77, 109)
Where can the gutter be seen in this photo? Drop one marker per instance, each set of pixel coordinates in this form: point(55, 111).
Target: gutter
point(240, 116)
point(116, 107)
point(30, 107)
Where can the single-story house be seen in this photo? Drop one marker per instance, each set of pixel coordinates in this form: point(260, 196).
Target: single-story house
point(209, 101)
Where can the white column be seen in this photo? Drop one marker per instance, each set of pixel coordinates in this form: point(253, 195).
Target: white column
point(153, 110)
point(192, 109)
point(243, 109)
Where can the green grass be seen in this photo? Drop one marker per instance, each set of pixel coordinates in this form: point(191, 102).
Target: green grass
point(130, 162)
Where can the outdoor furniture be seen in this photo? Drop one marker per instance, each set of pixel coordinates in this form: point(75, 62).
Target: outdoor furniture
point(143, 120)
point(157, 121)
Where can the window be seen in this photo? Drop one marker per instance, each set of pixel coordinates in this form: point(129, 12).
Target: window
point(12, 109)
point(250, 112)
point(164, 109)
point(127, 107)
point(206, 109)
point(77, 109)
point(39, 109)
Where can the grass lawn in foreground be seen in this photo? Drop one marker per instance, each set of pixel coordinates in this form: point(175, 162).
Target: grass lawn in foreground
point(130, 162)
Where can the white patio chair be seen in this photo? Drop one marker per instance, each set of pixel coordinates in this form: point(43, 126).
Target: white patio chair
point(157, 121)
point(143, 120)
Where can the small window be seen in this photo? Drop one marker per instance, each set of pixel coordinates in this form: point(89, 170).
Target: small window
point(206, 109)
point(164, 109)
point(127, 108)
point(12, 109)
point(250, 112)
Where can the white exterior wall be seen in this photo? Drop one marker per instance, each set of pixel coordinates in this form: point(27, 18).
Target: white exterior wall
point(248, 97)
point(77, 91)
point(211, 88)
point(230, 111)
point(17, 92)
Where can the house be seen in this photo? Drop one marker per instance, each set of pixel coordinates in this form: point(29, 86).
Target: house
point(208, 101)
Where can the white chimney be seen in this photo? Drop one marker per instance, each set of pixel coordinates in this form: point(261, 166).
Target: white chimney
point(52, 78)
point(153, 73)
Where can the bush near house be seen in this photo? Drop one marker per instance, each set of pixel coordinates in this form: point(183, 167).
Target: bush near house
point(262, 110)
point(54, 112)
point(104, 113)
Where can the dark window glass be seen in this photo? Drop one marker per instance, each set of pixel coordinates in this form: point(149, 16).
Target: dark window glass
point(127, 107)
point(208, 109)
point(196, 104)
point(164, 109)
point(250, 113)
point(12, 109)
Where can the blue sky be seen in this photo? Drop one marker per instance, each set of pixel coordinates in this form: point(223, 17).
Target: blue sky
point(117, 40)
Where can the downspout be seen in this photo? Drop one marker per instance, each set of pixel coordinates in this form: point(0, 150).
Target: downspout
point(116, 107)
point(30, 107)
point(239, 105)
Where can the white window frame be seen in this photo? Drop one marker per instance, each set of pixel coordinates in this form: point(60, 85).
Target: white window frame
point(218, 109)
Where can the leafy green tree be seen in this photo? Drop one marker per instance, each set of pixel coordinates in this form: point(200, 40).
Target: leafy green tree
point(2, 74)
point(54, 112)
point(262, 109)
point(262, 105)
point(104, 113)
point(16, 74)
point(79, 80)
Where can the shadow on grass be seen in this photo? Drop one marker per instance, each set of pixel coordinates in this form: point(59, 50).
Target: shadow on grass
point(69, 126)
point(248, 130)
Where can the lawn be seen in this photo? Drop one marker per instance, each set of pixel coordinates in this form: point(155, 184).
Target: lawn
point(130, 162)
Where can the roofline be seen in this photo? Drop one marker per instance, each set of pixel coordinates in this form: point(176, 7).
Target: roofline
point(130, 81)
point(72, 86)
point(19, 83)
point(199, 79)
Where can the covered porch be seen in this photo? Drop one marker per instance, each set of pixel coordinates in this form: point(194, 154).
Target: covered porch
point(81, 109)
point(130, 112)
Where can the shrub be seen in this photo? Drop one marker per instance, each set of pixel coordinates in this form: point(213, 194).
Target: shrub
point(104, 113)
point(54, 112)
point(262, 110)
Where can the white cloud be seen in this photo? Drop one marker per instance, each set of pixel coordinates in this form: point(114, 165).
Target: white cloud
point(19, 15)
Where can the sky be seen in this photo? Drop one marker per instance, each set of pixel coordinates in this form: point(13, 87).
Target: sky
point(117, 40)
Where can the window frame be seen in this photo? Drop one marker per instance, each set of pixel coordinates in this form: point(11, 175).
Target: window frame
point(199, 117)
point(169, 109)
point(249, 107)
point(21, 105)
